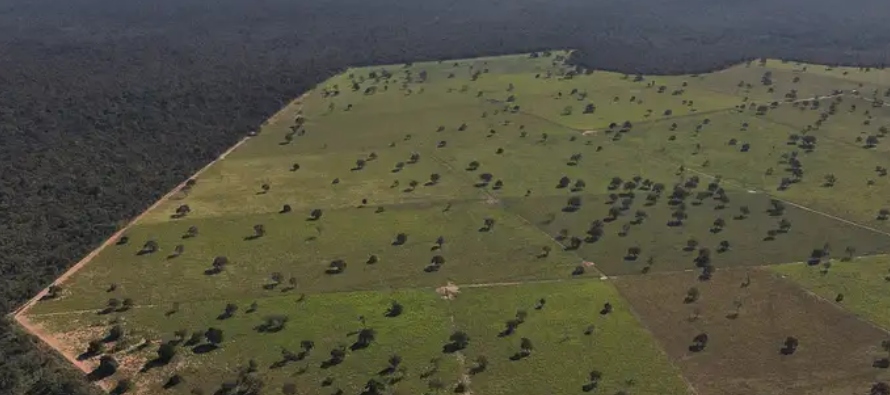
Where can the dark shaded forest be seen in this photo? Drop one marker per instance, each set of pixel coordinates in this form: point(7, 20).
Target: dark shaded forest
point(107, 104)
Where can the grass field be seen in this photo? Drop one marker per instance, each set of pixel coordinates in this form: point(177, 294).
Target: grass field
point(863, 283)
point(835, 354)
point(513, 179)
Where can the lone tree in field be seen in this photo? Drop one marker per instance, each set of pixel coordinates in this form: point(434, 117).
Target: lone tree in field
point(315, 214)
point(525, 349)
point(692, 295)
point(177, 251)
point(336, 267)
point(434, 178)
point(784, 225)
point(219, 264)
point(485, 179)
point(191, 232)
point(149, 247)
point(338, 355)
point(259, 230)
point(790, 345)
point(777, 207)
point(488, 224)
point(633, 253)
point(395, 309)
point(594, 378)
point(182, 211)
point(401, 239)
point(479, 365)
point(850, 252)
point(573, 204)
point(879, 388)
point(166, 353)
point(718, 225)
point(699, 342)
point(473, 166)
point(214, 336)
point(457, 341)
point(229, 311)
point(365, 337)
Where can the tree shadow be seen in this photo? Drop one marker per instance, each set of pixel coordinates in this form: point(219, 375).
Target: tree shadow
point(881, 363)
point(204, 348)
point(86, 355)
point(251, 237)
point(99, 373)
point(268, 328)
point(386, 371)
point(151, 364)
point(358, 346)
point(171, 383)
point(330, 363)
point(224, 316)
point(589, 387)
point(787, 350)
point(212, 271)
point(451, 348)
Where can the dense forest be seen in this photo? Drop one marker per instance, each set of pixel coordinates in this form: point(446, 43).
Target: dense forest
point(106, 104)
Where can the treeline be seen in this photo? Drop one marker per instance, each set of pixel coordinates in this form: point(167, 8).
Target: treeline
point(106, 104)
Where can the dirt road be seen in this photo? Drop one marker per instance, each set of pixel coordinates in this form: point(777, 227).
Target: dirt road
point(19, 315)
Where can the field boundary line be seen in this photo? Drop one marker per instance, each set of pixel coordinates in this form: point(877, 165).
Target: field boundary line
point(661, 347)
point(114, 237)
point(800, 206)
point(785, 278)
point(18, 315)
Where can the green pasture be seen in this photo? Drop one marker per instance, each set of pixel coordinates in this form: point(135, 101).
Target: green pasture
point(491, 140)
point(617, 345)
point(862, 281)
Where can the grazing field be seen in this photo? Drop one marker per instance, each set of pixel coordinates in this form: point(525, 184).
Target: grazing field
point(747, 327)
point(571, 336)
point(861, 282)
point(378, 234)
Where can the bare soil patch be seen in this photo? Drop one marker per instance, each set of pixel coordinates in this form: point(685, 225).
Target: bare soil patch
point(448, 291)
point(743, 355)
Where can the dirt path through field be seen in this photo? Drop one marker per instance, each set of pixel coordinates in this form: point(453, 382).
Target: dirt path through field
point(19, 314)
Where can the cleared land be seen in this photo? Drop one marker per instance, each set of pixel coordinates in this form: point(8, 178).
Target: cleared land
point(524, 183)
point(747, 326)
point(861, 282)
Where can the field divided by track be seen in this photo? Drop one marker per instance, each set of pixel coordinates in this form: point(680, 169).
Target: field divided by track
point(493, 175)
